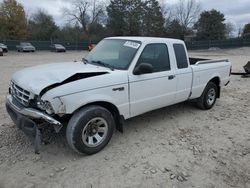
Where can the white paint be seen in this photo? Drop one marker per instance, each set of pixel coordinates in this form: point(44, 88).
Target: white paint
point(142, 93)
point(38, 77)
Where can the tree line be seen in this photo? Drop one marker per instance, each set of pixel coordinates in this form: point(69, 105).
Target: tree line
point(96, 19)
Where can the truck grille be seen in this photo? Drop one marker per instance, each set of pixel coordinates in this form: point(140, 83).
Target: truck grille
point(23, 96)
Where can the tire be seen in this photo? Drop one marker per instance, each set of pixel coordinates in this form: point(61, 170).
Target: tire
point(83, 133)
point(208, 97)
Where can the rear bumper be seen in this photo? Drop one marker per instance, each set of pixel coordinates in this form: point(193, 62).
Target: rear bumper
point(28, 119)
point(28, 50)
point(60, 50)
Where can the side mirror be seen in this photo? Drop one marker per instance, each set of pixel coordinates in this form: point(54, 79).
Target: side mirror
point(143, 68)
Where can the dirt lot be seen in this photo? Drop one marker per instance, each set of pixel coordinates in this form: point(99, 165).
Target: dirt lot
point(178, 146)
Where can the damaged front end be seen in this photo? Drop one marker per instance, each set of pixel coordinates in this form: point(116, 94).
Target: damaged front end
point(36, 115)
point(32, 116)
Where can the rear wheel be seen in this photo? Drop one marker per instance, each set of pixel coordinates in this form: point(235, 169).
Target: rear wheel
point(90, 129)
point(208, 97)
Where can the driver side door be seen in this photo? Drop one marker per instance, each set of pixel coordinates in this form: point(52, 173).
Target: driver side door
point(153, 90)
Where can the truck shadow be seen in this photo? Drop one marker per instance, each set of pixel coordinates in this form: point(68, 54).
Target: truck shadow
point(166, 113)
point(133, 128)
point(137, 126)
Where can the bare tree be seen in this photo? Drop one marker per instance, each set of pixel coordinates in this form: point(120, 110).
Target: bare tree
point(85, 12)
point(187, 12)
point(165, 9)
point(166, 12)
point(230, 29)
point(97, 11)
point(240, 31)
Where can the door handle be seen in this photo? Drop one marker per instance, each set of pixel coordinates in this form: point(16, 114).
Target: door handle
point(119, 89)
point(171, 77)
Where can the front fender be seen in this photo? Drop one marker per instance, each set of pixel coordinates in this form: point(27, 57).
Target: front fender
point(70, 103)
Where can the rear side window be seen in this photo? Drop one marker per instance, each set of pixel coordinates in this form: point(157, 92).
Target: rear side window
point(181, 56)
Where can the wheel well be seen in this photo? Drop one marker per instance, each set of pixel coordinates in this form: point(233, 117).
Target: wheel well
point(114, 110)
point(216, 81)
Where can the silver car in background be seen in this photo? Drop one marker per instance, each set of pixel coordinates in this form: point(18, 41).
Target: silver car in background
point(57, 48)
point(25, 47)
point(4, 47)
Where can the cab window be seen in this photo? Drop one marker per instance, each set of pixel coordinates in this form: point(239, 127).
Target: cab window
point(157, 55)
point(181, 56)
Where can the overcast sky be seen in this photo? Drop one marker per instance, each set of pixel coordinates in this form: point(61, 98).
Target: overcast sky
point(236, 11)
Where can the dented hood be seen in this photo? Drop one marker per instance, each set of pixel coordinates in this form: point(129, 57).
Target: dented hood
point(35, 79)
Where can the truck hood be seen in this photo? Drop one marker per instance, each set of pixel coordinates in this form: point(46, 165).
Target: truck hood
point(37, 78)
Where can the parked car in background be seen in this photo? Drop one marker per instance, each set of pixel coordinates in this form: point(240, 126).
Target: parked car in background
point(1, 52)
point(25, 47)
point(57, 48)
point(4, 47)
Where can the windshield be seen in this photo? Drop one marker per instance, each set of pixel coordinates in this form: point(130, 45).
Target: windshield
point(58, 45)
point(116, 53)
point(25, 44)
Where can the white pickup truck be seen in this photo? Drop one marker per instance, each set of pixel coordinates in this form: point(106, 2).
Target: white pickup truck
point(121, 78)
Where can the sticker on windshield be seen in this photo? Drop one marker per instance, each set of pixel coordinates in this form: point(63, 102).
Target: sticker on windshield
point(132, 44)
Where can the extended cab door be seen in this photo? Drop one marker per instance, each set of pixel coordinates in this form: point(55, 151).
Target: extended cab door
point(184, 73)
point(152, 90)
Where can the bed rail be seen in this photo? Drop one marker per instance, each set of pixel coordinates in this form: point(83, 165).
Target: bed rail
point(211, 61)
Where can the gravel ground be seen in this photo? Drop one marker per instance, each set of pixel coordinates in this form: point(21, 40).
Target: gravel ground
point(177, 146)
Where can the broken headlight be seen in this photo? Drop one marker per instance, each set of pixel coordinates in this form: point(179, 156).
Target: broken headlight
point(45, 106)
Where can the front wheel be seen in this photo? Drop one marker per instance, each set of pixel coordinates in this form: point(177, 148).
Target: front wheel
point(208, 97)
point(90, 129)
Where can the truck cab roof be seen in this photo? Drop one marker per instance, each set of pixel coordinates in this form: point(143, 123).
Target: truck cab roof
point(148, 39)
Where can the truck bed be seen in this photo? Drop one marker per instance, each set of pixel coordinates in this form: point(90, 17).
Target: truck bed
point(194, 60)
point(205, 70)
point(198, 61)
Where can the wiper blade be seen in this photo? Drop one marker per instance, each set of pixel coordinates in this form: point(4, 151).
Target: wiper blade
point(85, 61)
point(104, 64)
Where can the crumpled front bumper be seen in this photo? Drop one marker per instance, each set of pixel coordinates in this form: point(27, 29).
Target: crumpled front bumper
point(28, 119)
